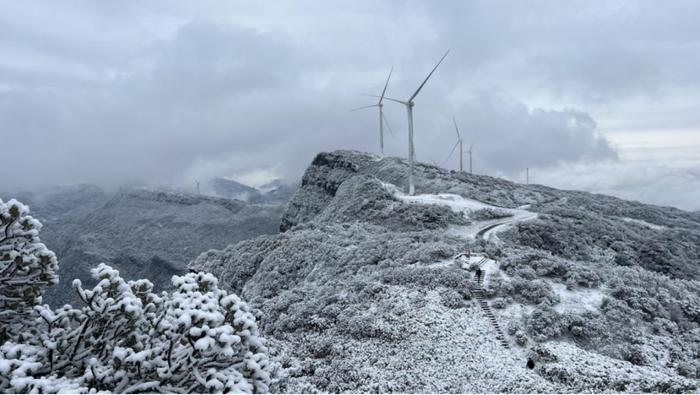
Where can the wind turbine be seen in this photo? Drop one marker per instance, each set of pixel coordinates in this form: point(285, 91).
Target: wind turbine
point(458, 143)
point(409, 110)
point(527, 176)
point(470, 157)
point(382, 118)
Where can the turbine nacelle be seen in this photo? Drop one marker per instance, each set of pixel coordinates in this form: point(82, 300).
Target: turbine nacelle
point(382, 118)
point(409, 112)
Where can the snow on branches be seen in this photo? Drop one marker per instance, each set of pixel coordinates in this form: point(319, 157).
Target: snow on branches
point(27, 267)
point(125, 338)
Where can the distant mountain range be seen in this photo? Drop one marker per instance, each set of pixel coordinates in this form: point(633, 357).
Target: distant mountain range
point(142, 232)
point(274, 192)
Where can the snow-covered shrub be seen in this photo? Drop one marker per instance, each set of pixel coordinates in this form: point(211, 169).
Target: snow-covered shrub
point(488, 213)
point(499, 303)
point(526, 273)
point(23, 370)
point(540, 353)
point(544, 323)
point(512, 327)
point(27, 267)
point(579, 275)
point(585, 326)
point(580, 235)
point(427, 276)
point(367, 325)
point(497, 285)
point(454, 299)
point(127, 339)
point(542, 263)
point(533, 291)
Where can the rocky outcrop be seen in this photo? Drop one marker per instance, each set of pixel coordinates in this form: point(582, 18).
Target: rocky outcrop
point(329, 170)
point(360, 294)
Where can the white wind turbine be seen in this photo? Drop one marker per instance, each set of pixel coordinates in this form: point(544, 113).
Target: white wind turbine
point(470, 157)
point(458, 143)
point(382, 118)
point(409, 110)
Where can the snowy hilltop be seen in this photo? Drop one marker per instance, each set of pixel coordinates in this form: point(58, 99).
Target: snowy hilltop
point(475, 284)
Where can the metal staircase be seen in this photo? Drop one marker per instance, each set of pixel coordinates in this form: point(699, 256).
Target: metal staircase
point(478, 292)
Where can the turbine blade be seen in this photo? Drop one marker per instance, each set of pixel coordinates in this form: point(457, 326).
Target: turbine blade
point(459, 137)
point(428, 77)
point(452, 152)
point(363, 107)
point(471, 146)
point(395, 100)
point(386, 85)
point(387, 125)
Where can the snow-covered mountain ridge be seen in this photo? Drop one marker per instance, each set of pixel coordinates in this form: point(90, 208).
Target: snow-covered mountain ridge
point(144, 233)
point(362, 290)
point(275, 192)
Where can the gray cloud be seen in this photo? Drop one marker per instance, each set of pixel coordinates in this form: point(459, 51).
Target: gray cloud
point(168, 92)
point(658, 184)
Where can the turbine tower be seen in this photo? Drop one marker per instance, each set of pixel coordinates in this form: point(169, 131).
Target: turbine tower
point(409, 111)
point(527, 176)
point(458, 143)
point(382, 118)
point(470, 157)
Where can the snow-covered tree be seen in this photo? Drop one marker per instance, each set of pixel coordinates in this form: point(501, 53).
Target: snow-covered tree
point(125, 338)
point(27, 267)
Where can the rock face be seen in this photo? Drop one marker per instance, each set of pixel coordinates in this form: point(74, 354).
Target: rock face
point(362, 292)
point(145, 234)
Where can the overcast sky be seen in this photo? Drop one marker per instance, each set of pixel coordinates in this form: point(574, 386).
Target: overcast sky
point(594, 95)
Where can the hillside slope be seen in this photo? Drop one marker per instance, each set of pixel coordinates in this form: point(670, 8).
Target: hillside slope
point(362, 291)
point(147, 234)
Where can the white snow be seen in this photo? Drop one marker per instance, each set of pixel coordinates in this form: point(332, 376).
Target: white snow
point(644, 223)
point(487, 265)
point(466, 207)
point(442, 263)
point(455, 202)
point(578, 299)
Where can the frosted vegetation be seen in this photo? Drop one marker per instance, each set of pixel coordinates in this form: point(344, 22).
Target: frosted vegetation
point(124, 338)
point(361, 292)
point(369, 290)
point(142, 233)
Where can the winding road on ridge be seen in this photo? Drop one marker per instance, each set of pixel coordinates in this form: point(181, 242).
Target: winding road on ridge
point(488, 230)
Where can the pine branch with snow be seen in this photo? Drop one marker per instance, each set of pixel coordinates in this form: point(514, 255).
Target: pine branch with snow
point(27, 267)
point(125, 338)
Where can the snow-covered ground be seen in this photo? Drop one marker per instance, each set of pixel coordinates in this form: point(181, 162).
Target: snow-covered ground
point(487, 265)
point(459, 204)
point(644, 223)
point(450, 351)
point(578, 299)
